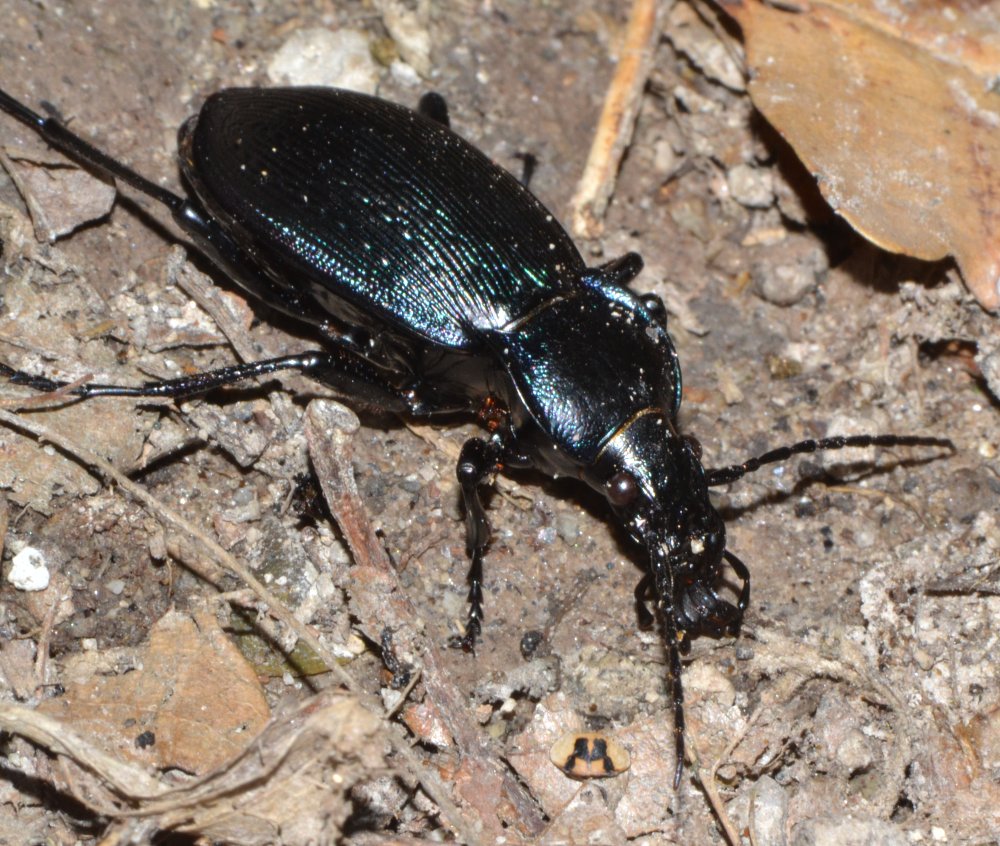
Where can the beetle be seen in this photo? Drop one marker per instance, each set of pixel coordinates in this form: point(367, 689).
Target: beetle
point(438, 283)
point(584, 755)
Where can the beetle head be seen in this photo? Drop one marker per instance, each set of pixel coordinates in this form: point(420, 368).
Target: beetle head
point(654, 480)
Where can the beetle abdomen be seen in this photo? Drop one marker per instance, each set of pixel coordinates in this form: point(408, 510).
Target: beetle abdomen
point(377, 204)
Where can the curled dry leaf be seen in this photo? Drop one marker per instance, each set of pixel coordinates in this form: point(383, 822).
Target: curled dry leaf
point(288, 786)
point(901, 137)
point(292, 784)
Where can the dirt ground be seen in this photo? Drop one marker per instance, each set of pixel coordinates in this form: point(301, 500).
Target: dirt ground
point(861, 701)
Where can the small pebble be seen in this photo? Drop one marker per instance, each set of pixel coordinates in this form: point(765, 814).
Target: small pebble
point(786, 284)
point(855, 753)
point(768, 813)
point(547, 535)
point(28, 570)
point(340, 59)
point(568, 526)
point(751, 186)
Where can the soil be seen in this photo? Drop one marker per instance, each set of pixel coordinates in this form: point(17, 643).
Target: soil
point(865, 675)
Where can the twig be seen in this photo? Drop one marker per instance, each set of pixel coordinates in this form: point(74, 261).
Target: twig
point(44, 639)
point(49, 398)
point(712, 792)
point(51, 734)
point(404, 694)
point(614, 129)
point(220, 307)
point(232, 321)
point(381, 601)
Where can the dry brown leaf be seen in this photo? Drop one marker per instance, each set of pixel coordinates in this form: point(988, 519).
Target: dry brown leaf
point(902, 138)
point(966, 34)
point(290, 785)
point(194, 696)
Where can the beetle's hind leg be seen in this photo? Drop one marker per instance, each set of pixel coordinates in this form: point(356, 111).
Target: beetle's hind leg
point(66, 141)
point(480, 460)
point(342, 370)
point(434, 107)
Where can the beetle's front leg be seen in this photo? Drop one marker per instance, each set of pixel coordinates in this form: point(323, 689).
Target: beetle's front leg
point(643, 593)
point(479, 460)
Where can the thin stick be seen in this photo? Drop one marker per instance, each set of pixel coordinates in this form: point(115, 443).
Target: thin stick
point(707, 781)
point(614, 128)
point(380, 601)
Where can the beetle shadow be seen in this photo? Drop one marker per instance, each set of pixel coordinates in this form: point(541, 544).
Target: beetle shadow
point(846, 249)
point(568, 490)
point(595, 505)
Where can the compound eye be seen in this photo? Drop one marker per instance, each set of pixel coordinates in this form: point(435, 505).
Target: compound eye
point(621, 489)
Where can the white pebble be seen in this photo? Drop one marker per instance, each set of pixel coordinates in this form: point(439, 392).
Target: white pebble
point(28, 570)
point(339, 59)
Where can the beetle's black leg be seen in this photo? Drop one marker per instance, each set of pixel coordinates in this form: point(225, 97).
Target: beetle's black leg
point(724, 475)
point(666, 602)
point(432, 105)
point(529, 163)
point(55, 134)
point(474, 623)
point(713, 615)
point(203, 228)
point(676, 689)
point(338, 368)
point(478, 460)
point(622, 270)
point(642, 593)
point(743, 574)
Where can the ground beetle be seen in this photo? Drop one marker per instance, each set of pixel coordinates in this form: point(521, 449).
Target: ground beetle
point(439, 283)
